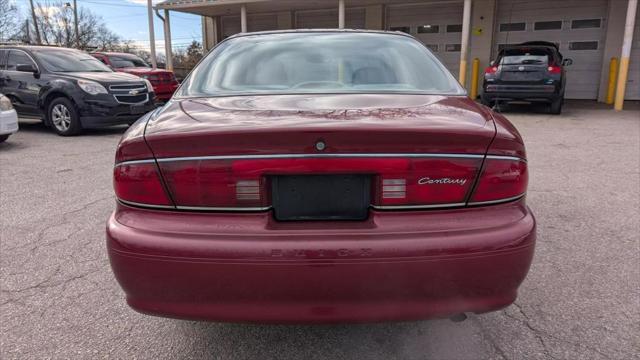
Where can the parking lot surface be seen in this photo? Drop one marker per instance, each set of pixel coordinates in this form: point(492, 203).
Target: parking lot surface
point(581, 299)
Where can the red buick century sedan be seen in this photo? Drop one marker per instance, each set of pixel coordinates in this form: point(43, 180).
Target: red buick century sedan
point(320, 176)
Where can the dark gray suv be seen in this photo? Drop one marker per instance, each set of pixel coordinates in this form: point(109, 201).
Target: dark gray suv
point(531, 72)
point(69, 89)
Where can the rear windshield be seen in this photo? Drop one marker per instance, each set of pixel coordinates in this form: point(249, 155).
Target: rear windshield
point(118, 61)
point(525, 57)
point(293, 63)
point(69, 61)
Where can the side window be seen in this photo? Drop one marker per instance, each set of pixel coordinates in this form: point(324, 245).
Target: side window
point(455, 28)
point(586, 23)
point(18, 58)
point(519, 26)
point(428, 29)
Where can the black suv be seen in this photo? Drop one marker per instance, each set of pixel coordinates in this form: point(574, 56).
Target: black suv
point(529, 72)
point(69, 89)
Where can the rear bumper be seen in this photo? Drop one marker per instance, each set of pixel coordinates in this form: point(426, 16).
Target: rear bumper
point(394, 266)
point(531, 93)
point(8, 122)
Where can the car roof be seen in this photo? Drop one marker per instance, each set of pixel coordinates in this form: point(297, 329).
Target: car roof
point(532, 45)
point(318, 31)
point(36, 47)
point(113, 53)
point(540, 43)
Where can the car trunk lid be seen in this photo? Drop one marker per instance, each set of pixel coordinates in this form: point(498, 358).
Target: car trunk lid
point(293, 124)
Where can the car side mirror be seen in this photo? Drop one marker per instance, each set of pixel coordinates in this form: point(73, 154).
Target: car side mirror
point(567, 62)
point(26, 68)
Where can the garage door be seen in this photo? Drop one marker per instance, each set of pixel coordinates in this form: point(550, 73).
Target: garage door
point(328, 19)
point(578, 26)
point(258, 22)
point(438, 26)
point(633, 85)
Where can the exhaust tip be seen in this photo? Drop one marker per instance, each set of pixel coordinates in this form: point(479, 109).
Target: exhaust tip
point(458, 317)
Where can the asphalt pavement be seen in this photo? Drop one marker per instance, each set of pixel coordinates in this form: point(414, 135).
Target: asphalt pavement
point(581, 300)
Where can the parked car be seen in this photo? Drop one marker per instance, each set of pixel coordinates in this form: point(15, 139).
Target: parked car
point(320, 176)
point(531, 72)
point(164, 82)
point(8, 119)
point(69, 89)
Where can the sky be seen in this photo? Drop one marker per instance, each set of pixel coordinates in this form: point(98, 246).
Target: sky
point(128, 19)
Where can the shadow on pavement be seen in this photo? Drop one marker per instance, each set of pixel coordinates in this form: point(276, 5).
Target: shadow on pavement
point(36, 126)
point(438, 338)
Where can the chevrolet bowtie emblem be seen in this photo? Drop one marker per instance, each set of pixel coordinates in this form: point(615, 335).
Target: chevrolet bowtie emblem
point(133, 92)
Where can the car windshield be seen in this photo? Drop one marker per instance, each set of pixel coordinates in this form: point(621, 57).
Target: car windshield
point(70, 61)
point(525, 57)
point(316, 62)
point(119, 61)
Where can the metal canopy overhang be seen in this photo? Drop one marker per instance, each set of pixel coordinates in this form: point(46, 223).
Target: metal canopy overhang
point(232, 7)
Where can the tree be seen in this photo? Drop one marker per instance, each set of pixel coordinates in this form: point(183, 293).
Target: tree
point(9, 20)
point(55, 23)
point(188, 58)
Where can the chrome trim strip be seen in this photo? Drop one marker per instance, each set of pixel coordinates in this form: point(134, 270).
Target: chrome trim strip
point(409, 207)
point(497, 201)
point(317, 156)
point(126, 88)
point(125, 202)
point(133, 162)
point(200, 208)
point(320, 156)
point(204, 208)
point(500, 157)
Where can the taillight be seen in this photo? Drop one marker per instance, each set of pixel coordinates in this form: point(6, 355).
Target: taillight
point(553, 69)
point(427, 181)
point(501, 179)
point(215, 184)
point(244, 184)
point(397, 182)
point(139, 183)
point(491, 70)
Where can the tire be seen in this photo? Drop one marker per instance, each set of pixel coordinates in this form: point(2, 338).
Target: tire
point(3, 138)
point(556, 106)
point(63, 117)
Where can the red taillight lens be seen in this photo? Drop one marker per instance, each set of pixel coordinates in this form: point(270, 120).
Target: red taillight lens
point(501, 179)
point(139, 183)
point(553, 69)
point(491, 70)
point(245, 183)
point(427, 182)
point(214, 183)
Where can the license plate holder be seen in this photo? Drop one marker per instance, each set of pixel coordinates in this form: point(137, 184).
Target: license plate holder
point(321, 197)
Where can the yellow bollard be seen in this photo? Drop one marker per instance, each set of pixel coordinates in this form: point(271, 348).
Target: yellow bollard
point(475, 68)
point(462, 78)
point(613, 74)
point(621, 85)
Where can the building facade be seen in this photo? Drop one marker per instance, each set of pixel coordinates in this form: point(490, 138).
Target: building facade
point(588, 31)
